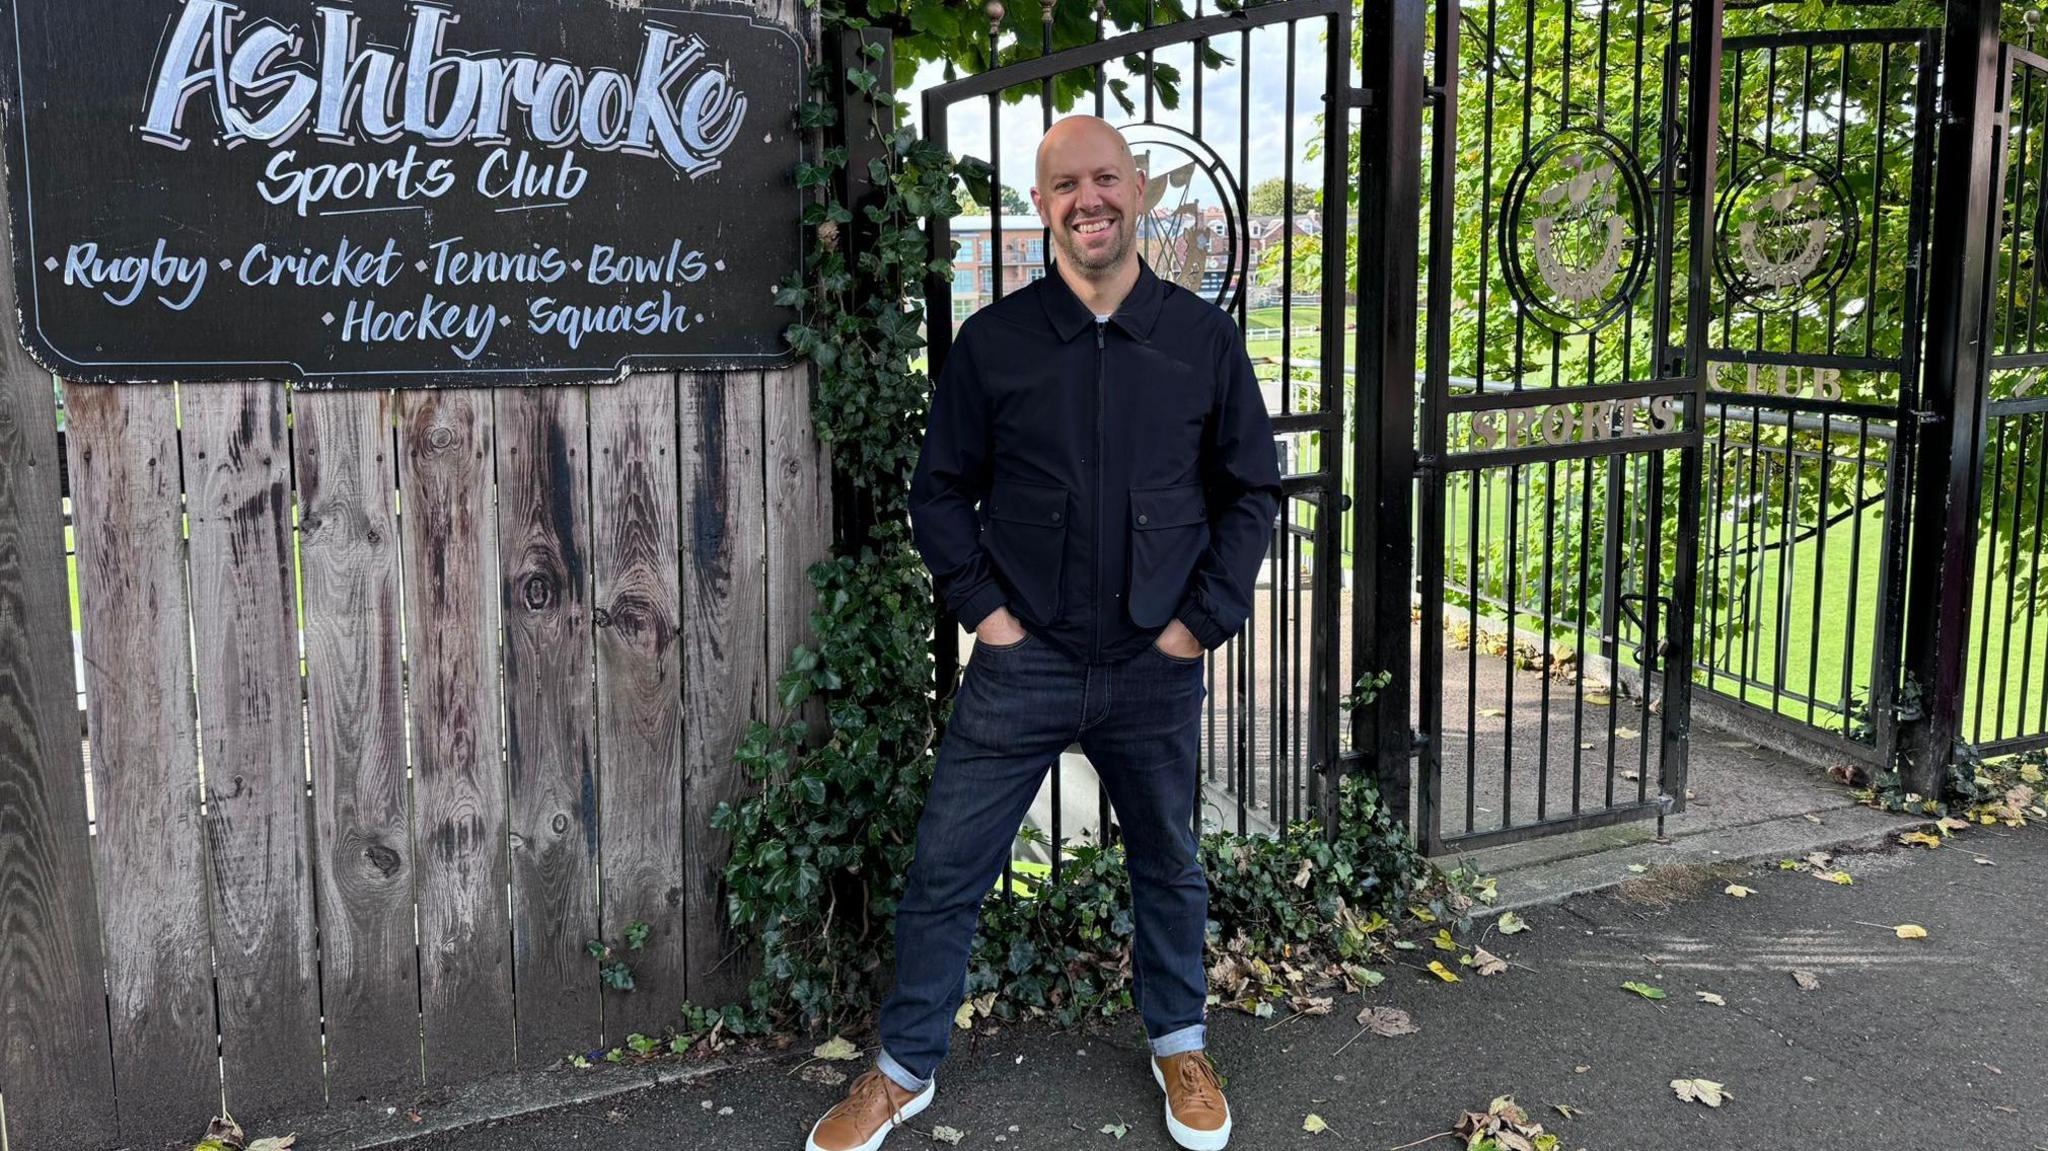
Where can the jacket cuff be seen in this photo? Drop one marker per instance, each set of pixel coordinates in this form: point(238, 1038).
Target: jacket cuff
point(1206, 630)
point(980, 605)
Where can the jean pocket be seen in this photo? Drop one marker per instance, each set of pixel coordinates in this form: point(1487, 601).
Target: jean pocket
point(1169, 533)
point(1026, 539)
point(1178, 660)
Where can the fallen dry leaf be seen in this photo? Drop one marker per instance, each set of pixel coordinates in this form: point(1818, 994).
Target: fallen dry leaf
point(822, 1075)
point(1487, 963)
point(1920, 839)
point(1314, 1124)
point(949, 1135)
point(1510, 923)
point(1626, 733)
point(837, 1047)
point(1739, 891)
point(1567, 1110)
point(275, 1143)
point(1444, 942)
point(1700, 1091)
point(1910, 931)
point(1643, 989)
point(1437, 969)
point(1387, 1022)
point(1842, 878)
point(1599, 698)
point(1710, 997)
point(1639, 868)
point(1806, 980)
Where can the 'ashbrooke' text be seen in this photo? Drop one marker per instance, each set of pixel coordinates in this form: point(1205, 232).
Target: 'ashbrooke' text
point(676, 105)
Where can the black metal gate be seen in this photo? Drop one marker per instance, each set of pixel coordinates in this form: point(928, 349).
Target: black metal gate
point(1561, 414)
point(1212, 105)
point(1821, 216)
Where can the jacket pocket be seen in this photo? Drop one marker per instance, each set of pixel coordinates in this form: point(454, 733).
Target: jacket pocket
point(1169, 533)
point(1026, 537)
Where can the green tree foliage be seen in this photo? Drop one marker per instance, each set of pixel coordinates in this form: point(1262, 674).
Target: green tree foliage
point(1269, 198)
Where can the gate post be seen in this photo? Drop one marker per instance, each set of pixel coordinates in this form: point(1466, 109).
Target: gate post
point(1946, 473)
point(1392, 90)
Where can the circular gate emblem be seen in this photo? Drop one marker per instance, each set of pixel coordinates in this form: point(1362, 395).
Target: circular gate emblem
point(1190, 231)
point(1574, 231)
point(1785, 231)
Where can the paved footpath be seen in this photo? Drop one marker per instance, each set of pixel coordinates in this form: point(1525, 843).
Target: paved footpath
point(1939, 1043)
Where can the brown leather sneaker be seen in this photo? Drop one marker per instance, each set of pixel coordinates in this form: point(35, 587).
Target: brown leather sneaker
point(1196, 1115)
point(873, 1107)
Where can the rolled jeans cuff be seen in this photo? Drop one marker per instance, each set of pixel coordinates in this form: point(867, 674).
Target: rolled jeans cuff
point(1176, 1042)
point(900, 1075)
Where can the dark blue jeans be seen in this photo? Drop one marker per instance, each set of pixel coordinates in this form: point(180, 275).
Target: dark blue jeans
point(1017, 709)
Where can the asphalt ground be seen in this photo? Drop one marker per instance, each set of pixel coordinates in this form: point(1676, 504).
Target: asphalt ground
point(1937, 1043)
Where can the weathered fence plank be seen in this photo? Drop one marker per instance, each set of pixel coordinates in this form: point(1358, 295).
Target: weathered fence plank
point(544, 555)
point(799, 526)
point(725, 658)
point(123, 455)
point(253, 760)
point(348, 559)
point(451, 626)
point(53, 1009)
point(640, 689)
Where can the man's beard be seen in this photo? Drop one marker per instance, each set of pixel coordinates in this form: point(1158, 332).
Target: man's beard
point(1119, 247)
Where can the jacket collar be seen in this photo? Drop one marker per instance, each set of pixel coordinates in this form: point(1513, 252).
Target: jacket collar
point(1136, 315)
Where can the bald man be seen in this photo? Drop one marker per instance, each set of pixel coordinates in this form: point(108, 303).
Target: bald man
point(1094, 498)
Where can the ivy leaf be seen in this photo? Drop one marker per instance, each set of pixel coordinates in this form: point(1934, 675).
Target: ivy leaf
point(1643, 989)
point(1511, 924)
point(1117, 1129)
point(1314, 1124)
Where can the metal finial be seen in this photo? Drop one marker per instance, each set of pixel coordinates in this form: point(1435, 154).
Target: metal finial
point(1045, 10)
point(994, 11)
point(2033, 19)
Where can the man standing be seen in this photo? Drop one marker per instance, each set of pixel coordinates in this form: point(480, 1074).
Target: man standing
point(1094, 499)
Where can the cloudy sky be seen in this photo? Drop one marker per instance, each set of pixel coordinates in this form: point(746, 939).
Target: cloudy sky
point(1222, 108)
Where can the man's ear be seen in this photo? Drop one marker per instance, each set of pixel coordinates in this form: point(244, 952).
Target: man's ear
point(1038, 203)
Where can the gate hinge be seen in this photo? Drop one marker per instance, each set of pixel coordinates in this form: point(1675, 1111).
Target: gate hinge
point(1427, 465)
point(1432, 94)
point(1358, 98)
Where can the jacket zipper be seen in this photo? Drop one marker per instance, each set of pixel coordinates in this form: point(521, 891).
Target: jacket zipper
point(1099, 356)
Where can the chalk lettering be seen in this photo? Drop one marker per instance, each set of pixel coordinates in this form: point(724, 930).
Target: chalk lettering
point(406, 179)
point(457, 267)
point(648, 317)
point(123, 279)
point(467, 328)
point(675, 266)
point(348, 266)
point(675, 104)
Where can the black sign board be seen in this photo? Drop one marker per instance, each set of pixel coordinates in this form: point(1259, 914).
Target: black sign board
point(399, 192)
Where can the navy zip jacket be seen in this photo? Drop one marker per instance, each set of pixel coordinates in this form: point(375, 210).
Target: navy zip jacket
point(1099, 478)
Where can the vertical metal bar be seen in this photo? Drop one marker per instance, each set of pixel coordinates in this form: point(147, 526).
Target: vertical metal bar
point(2012, 570)
point(1433, 505)
point(2034, 581)
point(939, 341)
point(1858, 502)
point(1994, 431)
point(1820, 566)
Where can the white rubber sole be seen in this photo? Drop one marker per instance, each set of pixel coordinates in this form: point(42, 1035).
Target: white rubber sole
point(1186, 1136)
point(922, 1100)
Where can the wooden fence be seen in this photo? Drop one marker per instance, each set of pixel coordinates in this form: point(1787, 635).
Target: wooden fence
point(474, 661)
